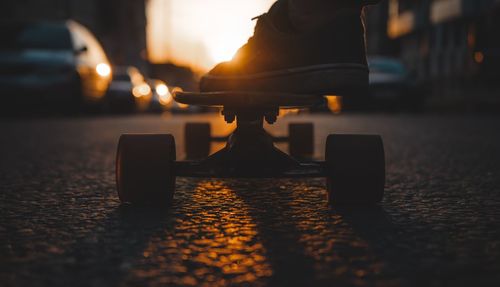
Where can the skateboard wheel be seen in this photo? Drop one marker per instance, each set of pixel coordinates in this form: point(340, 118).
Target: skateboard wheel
point(301, 140)
point(355, 166)
point(145, 169)
point(197, 140)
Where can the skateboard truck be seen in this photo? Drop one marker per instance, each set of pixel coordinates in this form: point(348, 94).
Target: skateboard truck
point(249, 152)
point(270, 116)
point(146, 168)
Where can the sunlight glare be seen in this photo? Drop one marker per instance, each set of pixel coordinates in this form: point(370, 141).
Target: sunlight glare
point(200, 33)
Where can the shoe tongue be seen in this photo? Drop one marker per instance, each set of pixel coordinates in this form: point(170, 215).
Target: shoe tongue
point(278, 14)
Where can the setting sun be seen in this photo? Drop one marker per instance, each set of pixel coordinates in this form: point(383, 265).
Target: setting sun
point(199, 33)
point(224, 49)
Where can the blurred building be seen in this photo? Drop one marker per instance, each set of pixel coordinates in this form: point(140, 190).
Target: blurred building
point(120, 25)
point(378, 40)
point(451, 45)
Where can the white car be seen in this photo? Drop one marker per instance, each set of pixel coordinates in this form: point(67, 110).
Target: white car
point(59, 63)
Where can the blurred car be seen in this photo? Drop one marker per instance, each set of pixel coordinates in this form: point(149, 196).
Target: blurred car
point(128, 91)
point(60, 63)
point(162, 100)
point(392, 86)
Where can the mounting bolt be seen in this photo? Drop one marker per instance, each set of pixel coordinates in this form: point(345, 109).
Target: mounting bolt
point(228, 116)
point(271, 118)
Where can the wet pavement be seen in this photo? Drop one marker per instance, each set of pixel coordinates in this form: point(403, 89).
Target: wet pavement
point(61, 223)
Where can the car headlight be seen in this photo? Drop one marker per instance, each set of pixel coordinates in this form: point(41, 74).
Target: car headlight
point(161, 89)
point(103, 69)
point(141, 90)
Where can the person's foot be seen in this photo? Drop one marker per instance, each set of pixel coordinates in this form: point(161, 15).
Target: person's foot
point(328, 60)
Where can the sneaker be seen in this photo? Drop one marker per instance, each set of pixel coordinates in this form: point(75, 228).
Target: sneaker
point(330, 60)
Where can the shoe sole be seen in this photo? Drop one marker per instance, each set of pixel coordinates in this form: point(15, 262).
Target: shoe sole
point(331, 79)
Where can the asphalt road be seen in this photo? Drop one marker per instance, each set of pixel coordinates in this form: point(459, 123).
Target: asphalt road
point(61, 223)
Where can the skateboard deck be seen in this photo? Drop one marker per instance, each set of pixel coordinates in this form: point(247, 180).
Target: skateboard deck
point(248, 99)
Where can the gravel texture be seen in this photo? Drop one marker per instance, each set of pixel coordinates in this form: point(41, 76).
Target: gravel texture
point(61, 223)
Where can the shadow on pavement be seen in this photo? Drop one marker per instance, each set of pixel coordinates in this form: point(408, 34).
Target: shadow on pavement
point(312, 243)
point(405, 255)
point(270, 208)
point(105, 255)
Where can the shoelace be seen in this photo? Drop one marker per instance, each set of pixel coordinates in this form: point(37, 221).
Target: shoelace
point(257, 17)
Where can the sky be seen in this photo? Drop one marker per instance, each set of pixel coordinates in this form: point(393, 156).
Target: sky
point(200, 33)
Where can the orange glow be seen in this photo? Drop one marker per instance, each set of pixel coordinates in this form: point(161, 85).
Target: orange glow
point(164, 95)
point(230, 243)
point(401, 25)
point(141, 90)
point(199, 33)
point(285, 112)
point(479, 57)
point(180, 105)
point(165, 99)
point(471, 37)
point(334, 104)
point(136, 76)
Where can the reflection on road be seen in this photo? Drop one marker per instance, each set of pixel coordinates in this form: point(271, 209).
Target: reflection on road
point(214, 242)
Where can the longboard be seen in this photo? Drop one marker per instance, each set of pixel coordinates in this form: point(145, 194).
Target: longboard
point(250, 99)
